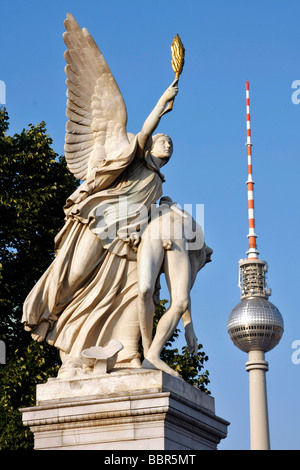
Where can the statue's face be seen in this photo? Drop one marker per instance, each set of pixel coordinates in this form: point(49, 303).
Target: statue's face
point(162, 147)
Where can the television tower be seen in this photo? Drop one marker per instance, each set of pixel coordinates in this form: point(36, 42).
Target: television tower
point(255, 325)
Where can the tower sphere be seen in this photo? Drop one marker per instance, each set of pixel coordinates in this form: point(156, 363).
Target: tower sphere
point(255, 324)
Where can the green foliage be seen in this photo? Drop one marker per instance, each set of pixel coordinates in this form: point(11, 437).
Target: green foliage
point(18, 379)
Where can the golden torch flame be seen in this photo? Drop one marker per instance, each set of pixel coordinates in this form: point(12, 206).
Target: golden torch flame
point(177, 63)
point(178, 53)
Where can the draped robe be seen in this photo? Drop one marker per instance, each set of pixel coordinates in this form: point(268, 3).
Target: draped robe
point(89, 292)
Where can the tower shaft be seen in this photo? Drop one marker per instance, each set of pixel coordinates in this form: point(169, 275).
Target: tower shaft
point(259, 420)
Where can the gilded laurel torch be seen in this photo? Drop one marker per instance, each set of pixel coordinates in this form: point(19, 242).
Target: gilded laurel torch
point(177, 63)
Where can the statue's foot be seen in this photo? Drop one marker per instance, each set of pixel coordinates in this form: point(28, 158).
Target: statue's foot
point(40, 331)
point(135, 363)
point(158, 364)
point(72, 367)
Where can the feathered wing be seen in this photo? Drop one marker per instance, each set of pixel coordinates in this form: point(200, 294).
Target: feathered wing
point(97, 116)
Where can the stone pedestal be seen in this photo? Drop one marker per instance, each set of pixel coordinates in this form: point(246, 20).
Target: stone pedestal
point(141, 409)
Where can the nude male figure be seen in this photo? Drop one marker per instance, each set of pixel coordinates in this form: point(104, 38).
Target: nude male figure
point(163, 245)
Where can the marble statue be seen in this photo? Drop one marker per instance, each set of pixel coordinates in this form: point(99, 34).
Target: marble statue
point(97, 293)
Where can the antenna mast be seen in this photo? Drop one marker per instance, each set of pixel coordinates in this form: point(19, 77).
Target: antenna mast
point(252, 251)
point(252, 275)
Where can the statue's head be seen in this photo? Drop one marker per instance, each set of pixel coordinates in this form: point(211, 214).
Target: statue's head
point(160, 147)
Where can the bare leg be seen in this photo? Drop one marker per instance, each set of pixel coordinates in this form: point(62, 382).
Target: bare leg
point(177, 271)
point(150, 259)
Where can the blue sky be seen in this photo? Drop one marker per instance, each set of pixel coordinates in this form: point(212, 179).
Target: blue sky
point(226, 44)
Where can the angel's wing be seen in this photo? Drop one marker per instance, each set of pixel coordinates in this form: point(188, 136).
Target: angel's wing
point(97, 114)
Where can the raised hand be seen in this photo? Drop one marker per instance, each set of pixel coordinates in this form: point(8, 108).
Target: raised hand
point(170, 92)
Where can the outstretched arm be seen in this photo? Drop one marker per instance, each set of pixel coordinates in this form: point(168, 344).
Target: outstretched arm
point(153, 119)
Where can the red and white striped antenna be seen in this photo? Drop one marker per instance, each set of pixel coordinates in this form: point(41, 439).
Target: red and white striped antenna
point(252, 251)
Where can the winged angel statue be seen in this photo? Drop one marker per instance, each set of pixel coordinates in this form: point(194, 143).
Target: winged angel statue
point(94, 291)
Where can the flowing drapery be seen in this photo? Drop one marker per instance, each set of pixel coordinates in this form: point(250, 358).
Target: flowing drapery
point(89, 292)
